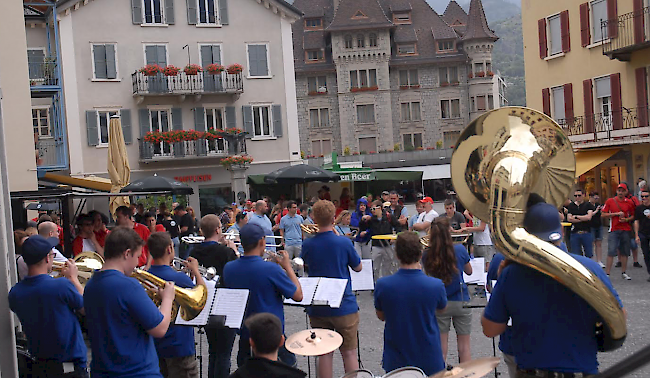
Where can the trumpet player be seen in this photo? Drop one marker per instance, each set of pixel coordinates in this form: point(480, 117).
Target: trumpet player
point(46, 308)
point(176, 352)
point(122, 320)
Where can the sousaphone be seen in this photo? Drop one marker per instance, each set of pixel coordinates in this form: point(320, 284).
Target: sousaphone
point(500, 159)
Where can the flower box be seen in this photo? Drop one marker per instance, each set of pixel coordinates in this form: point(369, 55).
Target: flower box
point(444, 84)
point(215, 69)
point(364, 89)
point(235, 69)
point(455, 83)
point(480, 74)
point(151, 70)
point(192, 69)
point(490, 73)
point(171, 70)
point(316, 93)
point(470, 75)
point(240, 161)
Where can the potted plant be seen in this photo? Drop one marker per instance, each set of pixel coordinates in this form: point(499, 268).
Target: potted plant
point(480, 74)
point(444, 84)
point(470, 75)
point(235, 69)
point(151, 70)
point(171, 70)
point(192, 69)
point(215, 69)
point(490, 73)
point(236, 161)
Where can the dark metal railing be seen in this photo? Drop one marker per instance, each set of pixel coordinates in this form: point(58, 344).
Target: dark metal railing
point(187, 149)
point(603, 126)
point(43, 73)
point(187, 84)
point(633, 33)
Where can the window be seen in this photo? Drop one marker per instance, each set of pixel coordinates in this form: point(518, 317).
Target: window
point(478, 67)
point(319, 118)
point(448, 75)
point(321, 147)
point(402, 17)
point(366, 113)
point(313, 23)
point(450, 138)
point(103, 120)
point(473, 104)
point(602, 87)
point(348, 41)
point(412, 141)
point(557, 93)
point(372, 40)
point(214, 120)
point(104, 61)
point(406, 49)
point(480, 103)
point(262, 121)
point(598, 14)
point(317, 84)
point(368, 144)
point(314, 55)
point(159, 120)
point(361, 40)
point(450, 109)
point(363, 79)
point(445, 46)
point(490, 102)
point(554, 35)
point(153, 12)
point(408, 78)
point(488, 66)
point(207, 12)
point(410, 111)
point(41, 122)
point(258, 63)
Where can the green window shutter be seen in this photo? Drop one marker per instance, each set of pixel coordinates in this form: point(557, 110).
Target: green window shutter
point(99, 57)
point(91, 128)
point(223, 11)
point(125, 117)
point(169, 12)
point(177, 119)
point(136, 11)
point(231, 117)
point(277, 120)
point(145, 127)
point(191, 12)
point(247, 112)
point(111, 67)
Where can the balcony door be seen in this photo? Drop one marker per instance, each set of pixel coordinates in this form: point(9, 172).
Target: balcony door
point(603, 121)
point(156, 54)
point(214, 120)
point(160, 121)
point(211, 54)
point(36, 64)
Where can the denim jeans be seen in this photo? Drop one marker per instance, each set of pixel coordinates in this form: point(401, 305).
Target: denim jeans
point(618, 240)
point(645, 247)
point(580, 241)
point(220, 342)
point(245, 353)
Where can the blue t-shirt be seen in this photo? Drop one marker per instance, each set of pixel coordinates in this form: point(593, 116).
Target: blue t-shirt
point(292, 231)
point(121, 313)
point(456, 289)
point(235, 229)
point(505, 345)
point(45, 307)
point(329, 255)
point(552, 327)
point(179, 340)
point(264, 222)
point(409, 300)
point(268, 284)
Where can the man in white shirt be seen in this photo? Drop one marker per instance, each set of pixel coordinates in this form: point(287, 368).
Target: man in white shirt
point(426, 217)
point(483, 246)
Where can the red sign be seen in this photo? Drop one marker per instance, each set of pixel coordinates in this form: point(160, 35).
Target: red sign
point(194, 178)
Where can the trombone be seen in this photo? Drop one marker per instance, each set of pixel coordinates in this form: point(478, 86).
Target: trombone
point(181, 265)
point(87, 263)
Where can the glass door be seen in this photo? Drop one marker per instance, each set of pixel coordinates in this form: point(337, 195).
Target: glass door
point(160, 122)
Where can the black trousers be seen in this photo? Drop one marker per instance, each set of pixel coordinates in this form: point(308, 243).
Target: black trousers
point(54, 369)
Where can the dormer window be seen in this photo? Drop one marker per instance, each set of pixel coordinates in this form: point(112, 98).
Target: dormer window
point(402, 18)
point(313, 23)
point(445, 46)
point(348, 42)
point(406, 49)
point(313, 56)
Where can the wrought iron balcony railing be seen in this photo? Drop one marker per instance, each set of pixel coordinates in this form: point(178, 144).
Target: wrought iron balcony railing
point(200, 148)
point(632, 33)
point(624, 123)
point(183, 84)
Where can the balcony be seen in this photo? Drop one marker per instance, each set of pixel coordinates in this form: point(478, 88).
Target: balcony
point(188, 150)
point(633, 34)
point(43, 75)
point(183, 84)
point(627, 125)
point(50, 154)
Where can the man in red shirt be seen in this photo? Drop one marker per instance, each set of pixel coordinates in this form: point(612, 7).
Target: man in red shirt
point(621, 211)
point(124, 218)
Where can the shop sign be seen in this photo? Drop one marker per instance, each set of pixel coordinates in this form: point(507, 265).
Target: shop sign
point(357, 176)
point(194, 178)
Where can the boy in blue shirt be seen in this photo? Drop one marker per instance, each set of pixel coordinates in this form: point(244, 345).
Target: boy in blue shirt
point(408, 301)
point(46, 308)
point(176, 349)
point(267, 282)
point(290, 230)
point(330, 255)
point(122, 320)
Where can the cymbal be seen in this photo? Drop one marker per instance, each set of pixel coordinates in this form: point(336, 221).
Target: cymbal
point(475, 369)
point(385, 237)
point(314, 342)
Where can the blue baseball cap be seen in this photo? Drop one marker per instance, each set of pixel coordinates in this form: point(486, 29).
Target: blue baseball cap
point(36, 247)
point(251, 234)
point(543, 221)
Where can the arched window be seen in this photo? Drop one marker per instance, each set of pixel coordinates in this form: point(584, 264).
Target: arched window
point(348, 41)
point(372, 40)
point(361, 40)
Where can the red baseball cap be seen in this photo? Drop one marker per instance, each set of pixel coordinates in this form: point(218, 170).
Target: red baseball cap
point(426, 199)
point(622, 186)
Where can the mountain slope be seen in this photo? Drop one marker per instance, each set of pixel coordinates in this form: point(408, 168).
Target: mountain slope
point(508, 57)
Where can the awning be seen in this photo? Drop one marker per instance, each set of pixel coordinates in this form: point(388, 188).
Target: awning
point(92, 182)
point(395, 174)
point(429, 172)
point(588, 159)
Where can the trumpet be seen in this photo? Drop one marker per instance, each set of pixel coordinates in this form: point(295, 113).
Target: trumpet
point(189, 302)
point(310, 229)
point(181, 265)
point(297, 263)
point(87, 263)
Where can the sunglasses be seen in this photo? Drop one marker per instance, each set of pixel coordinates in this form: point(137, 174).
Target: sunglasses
point(375, 208)
point(646, 196)
point(577, 195)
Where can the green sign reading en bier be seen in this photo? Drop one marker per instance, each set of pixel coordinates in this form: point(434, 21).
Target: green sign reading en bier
point(357, 176)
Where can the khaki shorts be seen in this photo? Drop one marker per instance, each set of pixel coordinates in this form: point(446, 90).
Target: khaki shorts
point(346, 325)
point(486, 251)
point(179, 367)
point(460, 316)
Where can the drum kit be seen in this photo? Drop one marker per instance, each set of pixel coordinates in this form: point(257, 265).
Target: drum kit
point(318, 342)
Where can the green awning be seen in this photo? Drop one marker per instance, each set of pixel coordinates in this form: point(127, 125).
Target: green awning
point(351, 176)
point(255, 180)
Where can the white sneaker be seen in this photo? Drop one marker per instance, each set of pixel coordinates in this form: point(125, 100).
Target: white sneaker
point(625, 276)
point(601, 264)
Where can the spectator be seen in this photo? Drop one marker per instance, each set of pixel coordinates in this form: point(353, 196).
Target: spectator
point(342, 224)
point(100, 221)
point(186, 223)
point(398, 211)
point(125, 219)
point(190, 210)
point(240, 221)
point(419, 209)
point(324, 193)
point(345, 199)
point(139, 216)
point(426, 218)
point(259, 218)
point(150, 222)
point(362, 240)
point(171, 226)
point(621, 212)
point(290, 230)
point(383, 260)
point(579, 214)
point(483, 246)
point(456, 219)
point(642, 226)
point(86, 240)
point(597, 227)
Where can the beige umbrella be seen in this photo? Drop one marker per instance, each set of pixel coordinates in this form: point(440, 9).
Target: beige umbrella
point(118, 163)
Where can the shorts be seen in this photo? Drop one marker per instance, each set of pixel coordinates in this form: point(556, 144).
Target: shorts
point(179, 367)
point(618, 241)
point(485, 251)
point(346, 326)
point(597, 233)
point(459, 315)
point(293, 250)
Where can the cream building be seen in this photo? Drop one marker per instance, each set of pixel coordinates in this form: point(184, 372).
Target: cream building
point(587, 67)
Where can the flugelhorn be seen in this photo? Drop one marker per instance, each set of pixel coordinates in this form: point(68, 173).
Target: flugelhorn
point(207, 273)
point(189, 302)
point(87, 263)
point(500, 159)
point(310, 229)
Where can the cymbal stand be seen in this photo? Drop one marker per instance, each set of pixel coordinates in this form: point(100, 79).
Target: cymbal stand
point(201, 331)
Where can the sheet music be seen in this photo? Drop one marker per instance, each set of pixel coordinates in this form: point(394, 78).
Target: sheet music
point(202, 318)
point(308, 285)
point(232, 304)
point(494, 284)
point(330, 291)
point(478, 271)
point(363, 280)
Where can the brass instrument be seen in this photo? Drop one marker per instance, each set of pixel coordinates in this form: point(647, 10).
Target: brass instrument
point(189, 302)
point(207, 273)
point(500, 159)
point(87, 263)
point(457, 239)
point(297, 263)
point(310, 229)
